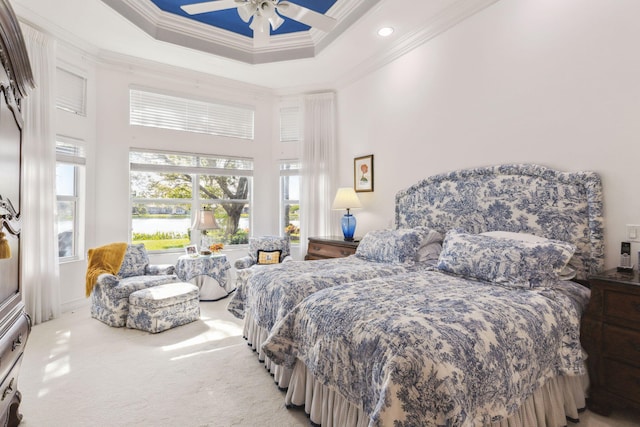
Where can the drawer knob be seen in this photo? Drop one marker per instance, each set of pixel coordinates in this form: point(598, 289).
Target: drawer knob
point(7, 391)
point(17, 342)
point(635, 346)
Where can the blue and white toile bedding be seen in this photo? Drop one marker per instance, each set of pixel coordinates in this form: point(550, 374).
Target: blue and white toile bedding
point(431, 349)
point(272, 292)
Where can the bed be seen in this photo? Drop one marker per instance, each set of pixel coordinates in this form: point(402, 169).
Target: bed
point(489, 336)
point(272, 291)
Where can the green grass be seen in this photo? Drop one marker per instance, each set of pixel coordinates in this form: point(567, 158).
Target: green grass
point(161, 245)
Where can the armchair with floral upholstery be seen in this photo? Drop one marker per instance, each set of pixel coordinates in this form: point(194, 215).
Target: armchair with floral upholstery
point(110, 292)
point(264, 250)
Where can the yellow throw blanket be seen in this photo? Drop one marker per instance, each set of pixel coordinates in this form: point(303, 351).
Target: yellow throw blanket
point(104, 259)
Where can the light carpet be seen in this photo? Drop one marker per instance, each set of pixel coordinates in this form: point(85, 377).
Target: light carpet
point(79, 372)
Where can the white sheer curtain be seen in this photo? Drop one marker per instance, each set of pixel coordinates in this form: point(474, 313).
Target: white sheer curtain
point(39, 246)
point(319, 159)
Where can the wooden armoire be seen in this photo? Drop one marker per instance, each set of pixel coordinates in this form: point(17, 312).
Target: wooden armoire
point(16, 80)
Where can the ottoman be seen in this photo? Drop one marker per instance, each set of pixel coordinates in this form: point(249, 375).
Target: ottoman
point(163, 307)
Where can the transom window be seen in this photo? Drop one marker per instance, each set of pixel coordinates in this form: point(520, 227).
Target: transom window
point(171, 112)
point(167, 189)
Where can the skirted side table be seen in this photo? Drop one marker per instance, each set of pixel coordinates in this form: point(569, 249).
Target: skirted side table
point(211, 273)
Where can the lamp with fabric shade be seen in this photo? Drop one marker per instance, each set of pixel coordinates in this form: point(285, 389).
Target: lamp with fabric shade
point(346, 198)
point(204, 221)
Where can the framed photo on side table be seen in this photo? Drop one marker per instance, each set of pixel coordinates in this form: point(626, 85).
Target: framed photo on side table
point(191, 250)
point(363, 173)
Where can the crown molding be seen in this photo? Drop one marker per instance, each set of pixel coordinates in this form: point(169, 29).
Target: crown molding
point(189, 33)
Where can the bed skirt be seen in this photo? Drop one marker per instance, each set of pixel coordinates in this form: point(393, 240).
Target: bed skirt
point(256, 335)
point(559, 400)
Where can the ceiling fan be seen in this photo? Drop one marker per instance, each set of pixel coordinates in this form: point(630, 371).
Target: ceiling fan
point(265, 14)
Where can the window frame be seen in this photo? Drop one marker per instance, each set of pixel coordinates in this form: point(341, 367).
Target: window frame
point(196, 202)
point(288, 168)
point(71, 151)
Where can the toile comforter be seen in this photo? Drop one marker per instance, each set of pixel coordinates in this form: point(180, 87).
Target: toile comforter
point(273, 291)
point(432, 349)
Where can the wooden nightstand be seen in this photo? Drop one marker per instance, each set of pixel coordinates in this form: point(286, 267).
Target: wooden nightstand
point(330, 247)
point(610, 335)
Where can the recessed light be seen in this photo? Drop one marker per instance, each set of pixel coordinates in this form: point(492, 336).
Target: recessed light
point(385, 31)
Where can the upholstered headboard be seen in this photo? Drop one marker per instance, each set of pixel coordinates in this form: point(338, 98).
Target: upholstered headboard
point(519, 198)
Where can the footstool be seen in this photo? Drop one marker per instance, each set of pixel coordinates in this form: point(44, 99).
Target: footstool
point(163, 307)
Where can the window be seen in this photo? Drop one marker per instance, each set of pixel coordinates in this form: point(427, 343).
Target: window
point(290, 199)
point(71, 92)
point(70, 163)
point(171, 112)
point(290, 125)
point(168, 188)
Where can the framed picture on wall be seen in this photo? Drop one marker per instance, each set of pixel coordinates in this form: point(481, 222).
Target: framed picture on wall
point(363, 173)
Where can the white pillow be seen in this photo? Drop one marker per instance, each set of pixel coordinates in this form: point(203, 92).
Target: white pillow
point(567, 273)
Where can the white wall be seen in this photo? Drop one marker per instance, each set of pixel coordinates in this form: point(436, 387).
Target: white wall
point(538, 81)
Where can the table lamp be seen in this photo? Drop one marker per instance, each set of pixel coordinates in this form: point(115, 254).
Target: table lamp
point(346, 198)
point(204, 221)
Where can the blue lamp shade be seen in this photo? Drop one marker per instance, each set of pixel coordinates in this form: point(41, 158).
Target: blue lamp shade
point(346, 198)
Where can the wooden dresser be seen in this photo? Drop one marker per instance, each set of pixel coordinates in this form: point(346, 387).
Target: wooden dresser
point(330, 247)
point(610, 335)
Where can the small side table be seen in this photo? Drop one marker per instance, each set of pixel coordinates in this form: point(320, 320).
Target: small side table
point(211, 273)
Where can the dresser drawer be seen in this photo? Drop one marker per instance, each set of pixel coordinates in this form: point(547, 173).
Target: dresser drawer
point(622, 379)
point(624, 305)
point(329, 251)
point(9, 389)
point(622, 344)
point(12, 344)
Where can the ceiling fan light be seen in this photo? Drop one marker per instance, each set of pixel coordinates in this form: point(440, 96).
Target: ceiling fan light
point(267, 9)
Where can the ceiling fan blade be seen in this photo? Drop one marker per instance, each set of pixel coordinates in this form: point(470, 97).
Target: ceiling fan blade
point(246, 10)
point(208, 6)
point(306, 16)
point(276, 21)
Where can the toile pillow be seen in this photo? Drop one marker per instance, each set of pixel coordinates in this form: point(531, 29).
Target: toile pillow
point(135, 261)
point(398, 246)
point(268, 257)
point(505, 261)
point(568, 272)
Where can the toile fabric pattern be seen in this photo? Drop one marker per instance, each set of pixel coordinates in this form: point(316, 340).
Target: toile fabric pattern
point(135, 261)
point(400, 246)
point(271, 292)
point(503, 260)
point(110, 295)
point(264, 243)
point(163, 307)
point(213, 266)
point(431, 349)
point(565, 206)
